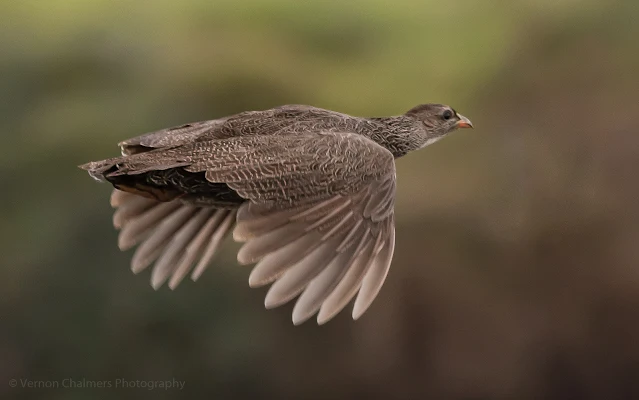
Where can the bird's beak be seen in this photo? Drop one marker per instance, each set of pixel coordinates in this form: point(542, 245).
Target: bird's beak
point(463, 122)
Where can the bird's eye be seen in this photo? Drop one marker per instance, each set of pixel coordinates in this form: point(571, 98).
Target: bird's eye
point(447, 115)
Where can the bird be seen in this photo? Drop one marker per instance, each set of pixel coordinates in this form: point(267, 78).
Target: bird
point(309, 193)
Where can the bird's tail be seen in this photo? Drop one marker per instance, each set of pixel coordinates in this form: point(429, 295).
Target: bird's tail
point(99, 169)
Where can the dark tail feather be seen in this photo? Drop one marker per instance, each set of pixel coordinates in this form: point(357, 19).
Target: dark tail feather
point(98, 169)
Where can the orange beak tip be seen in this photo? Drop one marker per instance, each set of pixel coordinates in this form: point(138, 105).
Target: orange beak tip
point(463, 122)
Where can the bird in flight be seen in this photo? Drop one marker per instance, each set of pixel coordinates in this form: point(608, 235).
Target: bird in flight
point(310, 192)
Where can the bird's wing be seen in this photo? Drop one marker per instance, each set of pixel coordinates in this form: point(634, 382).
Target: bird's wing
point(319, 218)
point(177, 238)
point(169, 137)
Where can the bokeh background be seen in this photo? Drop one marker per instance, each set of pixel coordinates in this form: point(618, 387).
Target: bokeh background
point(516, 273)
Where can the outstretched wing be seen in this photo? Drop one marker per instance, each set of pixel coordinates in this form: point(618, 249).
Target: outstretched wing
point(319, 219)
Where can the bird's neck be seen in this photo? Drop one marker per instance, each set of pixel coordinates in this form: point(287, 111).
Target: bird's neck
point(399, 134)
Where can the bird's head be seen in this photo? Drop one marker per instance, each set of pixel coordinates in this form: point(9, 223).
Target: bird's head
point(438, 120)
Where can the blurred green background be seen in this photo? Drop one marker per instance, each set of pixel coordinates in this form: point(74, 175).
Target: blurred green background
point(516, 273)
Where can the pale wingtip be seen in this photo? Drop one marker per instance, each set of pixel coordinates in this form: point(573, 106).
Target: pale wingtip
point(197, 272)
point(139, 264)
point(273, 301)
point(124, 243)
point(156, 285)
point(324, 316)
point(361, 306)
point(116, 198)
point(136, 269)
point(358, 312)
point(173, 284)
point(178, 275)
point(255, 282)
point(243, 256)
point(239, 235)
point(299, 319)
point(158, 277)
point(258, 278)
point(269, 304)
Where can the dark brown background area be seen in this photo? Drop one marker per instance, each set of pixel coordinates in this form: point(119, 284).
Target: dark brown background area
point(516, 272)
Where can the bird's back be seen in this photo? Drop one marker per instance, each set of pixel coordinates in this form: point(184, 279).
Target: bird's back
point(283, 120)
point(166, 180)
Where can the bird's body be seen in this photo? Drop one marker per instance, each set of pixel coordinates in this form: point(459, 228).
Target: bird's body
point(310, 191)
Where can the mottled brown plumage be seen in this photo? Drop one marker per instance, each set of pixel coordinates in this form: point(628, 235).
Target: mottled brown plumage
point(310, 191)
